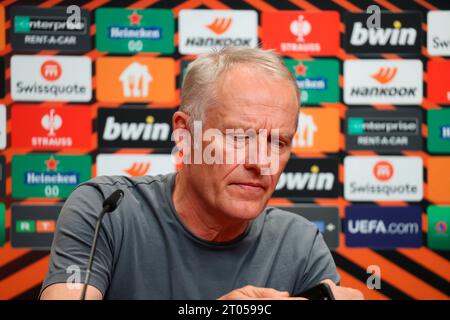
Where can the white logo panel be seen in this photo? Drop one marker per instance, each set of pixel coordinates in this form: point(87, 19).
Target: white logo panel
point(381, 81)
point(438, 33)
point(53, 78)
point(202, 30)
point(389, 178)
point(134, 165)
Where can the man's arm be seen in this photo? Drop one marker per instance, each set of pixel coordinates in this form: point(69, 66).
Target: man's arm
point(319, 266)
point(71, 247)
point(61, 291)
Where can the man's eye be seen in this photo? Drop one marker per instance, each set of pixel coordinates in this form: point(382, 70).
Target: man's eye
point(240, 138)
point(280, 144)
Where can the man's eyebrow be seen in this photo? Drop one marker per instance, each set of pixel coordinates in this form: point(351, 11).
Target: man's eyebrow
point(286, 135)
point(244, 125)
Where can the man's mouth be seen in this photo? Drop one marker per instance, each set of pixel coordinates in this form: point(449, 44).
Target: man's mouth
point(249, 186)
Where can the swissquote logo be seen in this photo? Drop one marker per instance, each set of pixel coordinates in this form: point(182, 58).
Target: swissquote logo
point(315, 33)
point(438, 37)
point(390, 178)
point(398, 33)
point(135, 128)
point(134, 165)
point(54, 78)
point(49, 128)
point(308, 178)
point(202, 30)
point(51, 70)
point(383, 81)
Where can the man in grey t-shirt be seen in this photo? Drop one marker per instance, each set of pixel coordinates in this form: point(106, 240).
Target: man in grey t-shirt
point(205, 232)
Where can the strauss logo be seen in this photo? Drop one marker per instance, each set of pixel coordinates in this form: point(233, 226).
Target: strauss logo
point(300, 28)
point(51, 122)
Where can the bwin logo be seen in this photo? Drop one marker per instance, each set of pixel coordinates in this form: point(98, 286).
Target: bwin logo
point(314, 180)
point(396, 36)
point(147, 131)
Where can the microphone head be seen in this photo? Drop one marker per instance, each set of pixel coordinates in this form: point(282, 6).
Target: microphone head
point(113, 201)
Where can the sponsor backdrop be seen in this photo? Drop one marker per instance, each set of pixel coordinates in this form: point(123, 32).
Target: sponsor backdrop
point(94, 94)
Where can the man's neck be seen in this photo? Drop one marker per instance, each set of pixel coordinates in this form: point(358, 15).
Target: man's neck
point(205, 223)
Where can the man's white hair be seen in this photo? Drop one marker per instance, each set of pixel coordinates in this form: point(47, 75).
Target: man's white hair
point(198, 91)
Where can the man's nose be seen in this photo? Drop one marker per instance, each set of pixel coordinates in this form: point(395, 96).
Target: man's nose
point(256, 161)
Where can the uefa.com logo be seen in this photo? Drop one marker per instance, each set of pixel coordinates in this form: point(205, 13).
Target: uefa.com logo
point(236, 146)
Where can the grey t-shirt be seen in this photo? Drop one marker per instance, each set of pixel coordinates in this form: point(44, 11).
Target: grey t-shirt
point(145, 252)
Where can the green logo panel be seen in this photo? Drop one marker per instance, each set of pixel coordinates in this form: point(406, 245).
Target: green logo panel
point(22, 24)
point(132, 31)
point(439, 227)
point(48, 175)
point(2, 225)
point(438, 131)
point(318, 80)
point(355, 125)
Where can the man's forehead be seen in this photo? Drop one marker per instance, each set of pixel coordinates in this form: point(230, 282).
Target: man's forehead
point(257, 121)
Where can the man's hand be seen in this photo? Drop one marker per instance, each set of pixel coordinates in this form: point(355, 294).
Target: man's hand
point(343, 293)
point(255, 293)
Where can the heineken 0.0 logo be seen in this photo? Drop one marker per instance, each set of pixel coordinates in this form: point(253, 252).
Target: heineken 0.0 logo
point(48, 175)
point(131, 31)
point(318, 80)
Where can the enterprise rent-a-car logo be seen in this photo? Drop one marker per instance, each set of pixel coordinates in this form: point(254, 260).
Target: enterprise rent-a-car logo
point(35, 28)
point(380, 130)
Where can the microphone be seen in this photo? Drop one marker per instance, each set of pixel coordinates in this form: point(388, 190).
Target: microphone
point(109, 205)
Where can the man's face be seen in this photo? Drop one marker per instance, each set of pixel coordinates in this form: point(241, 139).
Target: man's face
point(246, 99)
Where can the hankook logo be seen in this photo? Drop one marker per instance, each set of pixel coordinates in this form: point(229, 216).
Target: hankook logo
point(377, 81)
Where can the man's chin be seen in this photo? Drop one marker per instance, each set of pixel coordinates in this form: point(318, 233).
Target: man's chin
point(244, 209)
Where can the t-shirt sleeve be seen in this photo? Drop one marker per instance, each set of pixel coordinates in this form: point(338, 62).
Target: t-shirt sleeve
point(73, 238)
point(319, 266)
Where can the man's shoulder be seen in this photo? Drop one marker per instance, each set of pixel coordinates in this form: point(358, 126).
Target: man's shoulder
point(132, 186)
point(126, 182)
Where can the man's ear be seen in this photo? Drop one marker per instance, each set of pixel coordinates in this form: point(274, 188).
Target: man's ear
point(180, 120)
